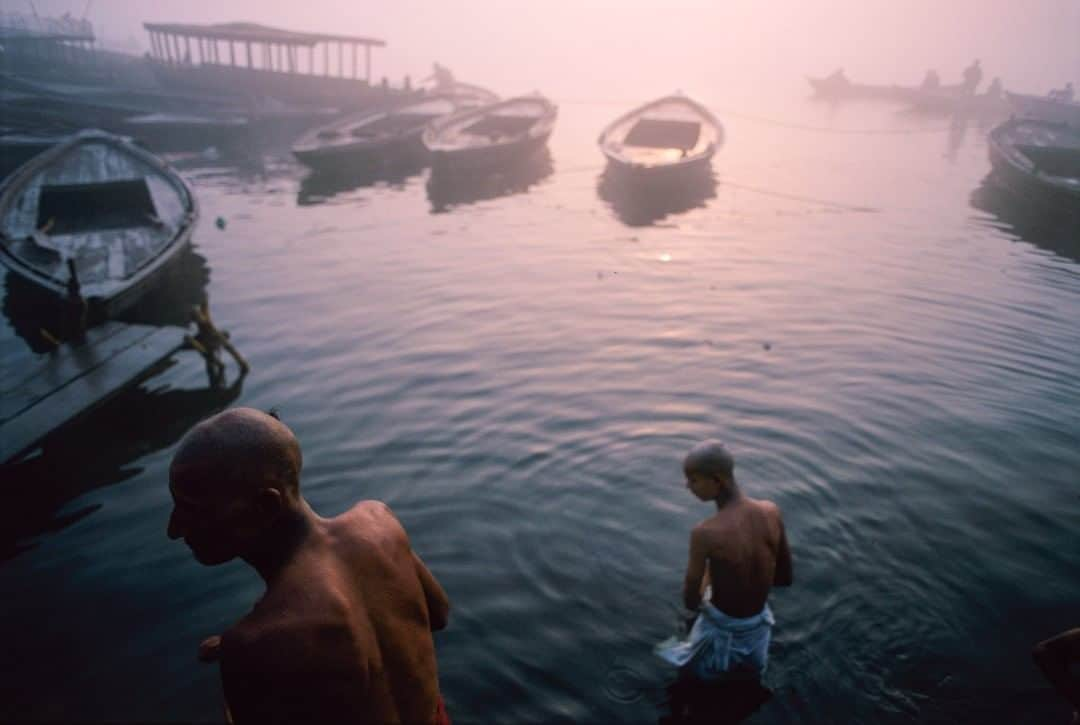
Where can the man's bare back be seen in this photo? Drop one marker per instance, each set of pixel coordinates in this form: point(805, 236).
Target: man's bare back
point(343, 631)
point(746, 551)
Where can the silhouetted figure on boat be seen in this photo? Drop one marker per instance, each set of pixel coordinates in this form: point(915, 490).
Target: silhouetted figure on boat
point(994, 90)
point(932, 81)
point(838, 78)
point(1066, 94)
point(1056, 657)
point(441, 75)
point(343, 630)
point(972, 77)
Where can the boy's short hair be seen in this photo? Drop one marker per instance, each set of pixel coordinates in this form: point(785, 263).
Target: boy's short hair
point(710, 458)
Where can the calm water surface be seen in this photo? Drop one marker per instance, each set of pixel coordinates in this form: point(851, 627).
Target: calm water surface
point(518, 366)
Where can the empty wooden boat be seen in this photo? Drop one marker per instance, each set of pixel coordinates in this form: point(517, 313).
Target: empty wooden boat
point(1038, 161)
point(492, 135)
point(375, 138)
point(673, 133)
point(94, 216)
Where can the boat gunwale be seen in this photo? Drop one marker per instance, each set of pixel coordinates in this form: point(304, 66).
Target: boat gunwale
point(686, 161)
point(544, 122)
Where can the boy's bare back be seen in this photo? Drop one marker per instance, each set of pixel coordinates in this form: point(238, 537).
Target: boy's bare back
point(742, 549)
point(747, 553)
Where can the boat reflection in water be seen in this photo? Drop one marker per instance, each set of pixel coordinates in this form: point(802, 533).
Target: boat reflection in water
point(640, 202)
point(322, 187)
point(1053, 230)
point(447, 188)
point(97, 451)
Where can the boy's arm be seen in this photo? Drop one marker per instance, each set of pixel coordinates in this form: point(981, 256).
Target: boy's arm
point(695, 570)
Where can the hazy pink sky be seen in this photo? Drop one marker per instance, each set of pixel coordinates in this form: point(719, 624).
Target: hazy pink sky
point(604, 48)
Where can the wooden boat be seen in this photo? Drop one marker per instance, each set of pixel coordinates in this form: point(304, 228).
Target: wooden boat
point(1038, 161)
point(374, 138)
point(97, 217)
point(164, 132)
point(835, 89)
point(985, 106)
point(673, 133)
point(1045, 109)
point(492, 135)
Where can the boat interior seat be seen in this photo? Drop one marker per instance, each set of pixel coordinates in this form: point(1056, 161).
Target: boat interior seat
point(664, 133)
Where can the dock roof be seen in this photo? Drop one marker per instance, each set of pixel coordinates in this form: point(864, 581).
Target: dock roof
point(255, 33)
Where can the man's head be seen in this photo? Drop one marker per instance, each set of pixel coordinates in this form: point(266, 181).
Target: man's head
point(233, 475)
point(709, 470)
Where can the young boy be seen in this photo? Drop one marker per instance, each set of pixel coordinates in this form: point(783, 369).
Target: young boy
point(736, 556)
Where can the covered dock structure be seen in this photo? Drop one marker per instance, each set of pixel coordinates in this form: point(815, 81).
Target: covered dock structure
point(35, 45)
point(251, 59)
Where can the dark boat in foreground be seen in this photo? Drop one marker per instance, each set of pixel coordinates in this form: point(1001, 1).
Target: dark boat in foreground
point(94, 216)
point(1038, 161)
point(491, 136)
point(374, 138)
point(669, 135)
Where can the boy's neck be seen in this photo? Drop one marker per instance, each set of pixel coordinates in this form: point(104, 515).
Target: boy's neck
point(727, 496)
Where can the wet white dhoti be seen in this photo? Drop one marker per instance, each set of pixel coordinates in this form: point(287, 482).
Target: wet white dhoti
point(719, 645)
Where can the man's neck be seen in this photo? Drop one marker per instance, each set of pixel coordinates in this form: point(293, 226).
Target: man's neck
point(282, 541)
point(728, 496)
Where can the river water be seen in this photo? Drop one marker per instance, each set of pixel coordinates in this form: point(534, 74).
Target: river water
point(517, 367)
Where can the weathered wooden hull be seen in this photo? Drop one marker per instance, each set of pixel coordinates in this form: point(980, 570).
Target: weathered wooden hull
point(487, 158)
point(1015, 172)
point(119, 295)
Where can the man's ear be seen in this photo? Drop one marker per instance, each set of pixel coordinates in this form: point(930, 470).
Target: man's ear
point(269, 503)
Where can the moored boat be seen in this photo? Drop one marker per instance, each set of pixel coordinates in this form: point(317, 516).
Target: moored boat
point(1045, 109)
point(1038, 161)
point(986, 106)
point(839, 89)
point(95, 216)
point(670, 134)
point(375, 138)
point(492, 135)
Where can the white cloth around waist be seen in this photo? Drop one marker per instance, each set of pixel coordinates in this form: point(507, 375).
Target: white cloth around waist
point(718, 643)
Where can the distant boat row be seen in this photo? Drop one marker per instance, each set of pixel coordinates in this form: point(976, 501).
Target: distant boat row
point(473, 131)
point(944, 99)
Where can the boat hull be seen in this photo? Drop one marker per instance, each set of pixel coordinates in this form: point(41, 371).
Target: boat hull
point(120, 296)
point(351, 159)
point(487, 158)
point(1023, 182)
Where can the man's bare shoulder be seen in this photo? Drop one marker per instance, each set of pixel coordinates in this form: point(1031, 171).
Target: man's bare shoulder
point(768, 508)
point(370, 512)
point(268, 640)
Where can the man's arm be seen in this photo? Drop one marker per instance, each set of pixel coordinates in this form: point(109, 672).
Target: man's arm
point(1054, 657)
point(289, 674)
point(438, 604)
point(783, 576)
point(695, 570)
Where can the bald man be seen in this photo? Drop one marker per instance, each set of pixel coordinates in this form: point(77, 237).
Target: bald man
point(736, 556)
point(343, 632)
